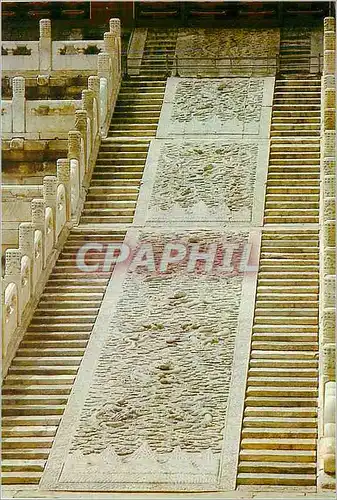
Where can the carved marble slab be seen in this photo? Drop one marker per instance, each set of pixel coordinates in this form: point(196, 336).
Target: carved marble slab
point(206, 51)
point(191, 182)
point(148, 411)
point(213, 106)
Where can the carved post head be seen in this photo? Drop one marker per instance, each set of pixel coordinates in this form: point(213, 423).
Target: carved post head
point(103, 63)
point(329, 98)
point(13, 262)
point(49, 190)
point(329, 82)
point(88, 101)
point(329, 143)
point(329, 119)
point(45, 28)
point(329, 24)
point(74, 144)
point(329, 40)
point(93, 84)
point(115, 26)
point(329, 291)
point(63, 170)
point(329, 62)
point(81, 121)
point(109, 43)
point(18, 86)
point(329, 165)
point(26, 238)
point(38, 212)
point(329, 237)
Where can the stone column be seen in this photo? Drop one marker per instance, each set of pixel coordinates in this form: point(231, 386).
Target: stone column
point(329, 40)
point(329, 24)
point(81, 126)
point(103, 66)
point(111, 47)
point(115, 30)
point(63, 176)
point(50, 197)
point(74, 150)
point(327, 443)
point(45, 45)
point(38, 218)
point(26, 245)
point(93, 85)
point(19, 105)
point(13, 273)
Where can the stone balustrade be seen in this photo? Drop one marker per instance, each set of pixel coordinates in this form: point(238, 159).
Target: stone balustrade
point(46, 119)
point(327, 443)
point(25, 266)
point(41, 237)
point(46, 56)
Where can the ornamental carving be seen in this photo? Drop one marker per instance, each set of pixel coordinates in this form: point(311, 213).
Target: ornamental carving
point(204, 181)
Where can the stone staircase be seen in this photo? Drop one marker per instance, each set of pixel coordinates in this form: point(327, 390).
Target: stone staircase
point(159, 52)
point(279, 431)
point(41, 376)
point(295, 49)
point(278, 445)
point(37, 386)
point(293, 176)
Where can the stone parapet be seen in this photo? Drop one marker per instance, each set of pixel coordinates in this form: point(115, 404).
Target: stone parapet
point(327, 442)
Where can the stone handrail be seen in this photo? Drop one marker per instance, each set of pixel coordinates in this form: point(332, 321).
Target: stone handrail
point(327, 440)
point(41, 238)
point(47, 56)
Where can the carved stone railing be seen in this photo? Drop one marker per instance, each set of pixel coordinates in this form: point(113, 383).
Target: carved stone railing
point(45, 118)
point(26, 266)
point(42, 236)
point(47, 56)
point(327, 440)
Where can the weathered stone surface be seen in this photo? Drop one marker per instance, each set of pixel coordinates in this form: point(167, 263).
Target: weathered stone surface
point(157, 404)
point(197, 48)
point(204, 181)
point(220, 101)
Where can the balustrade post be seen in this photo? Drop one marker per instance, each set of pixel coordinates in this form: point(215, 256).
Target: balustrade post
point(45, 45)
point(82, 127)
point(13, 274)
point(19, 105)
point(63, 176)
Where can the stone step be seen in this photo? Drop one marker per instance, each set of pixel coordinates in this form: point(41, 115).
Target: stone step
point(285, 412)
point(112, 204)
point(91, 219)
point(29, 431)
point(296, 457)
point(276, 479)
point(34, 420)
point(52, 389)
point(23, 465)
point(278, 392)
point(302, 190)
point(292, 220)
point(281, 422)
point(26, 454)
point(278, 444)
point(26, 410)
point(260, 401)
point(275, 433)
point(292, 373)
point(37, 380)
point(285, 328)
point(43, 370)
point(270, 381)
point(17, 477)
point(131, 133)
point(27, 442)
